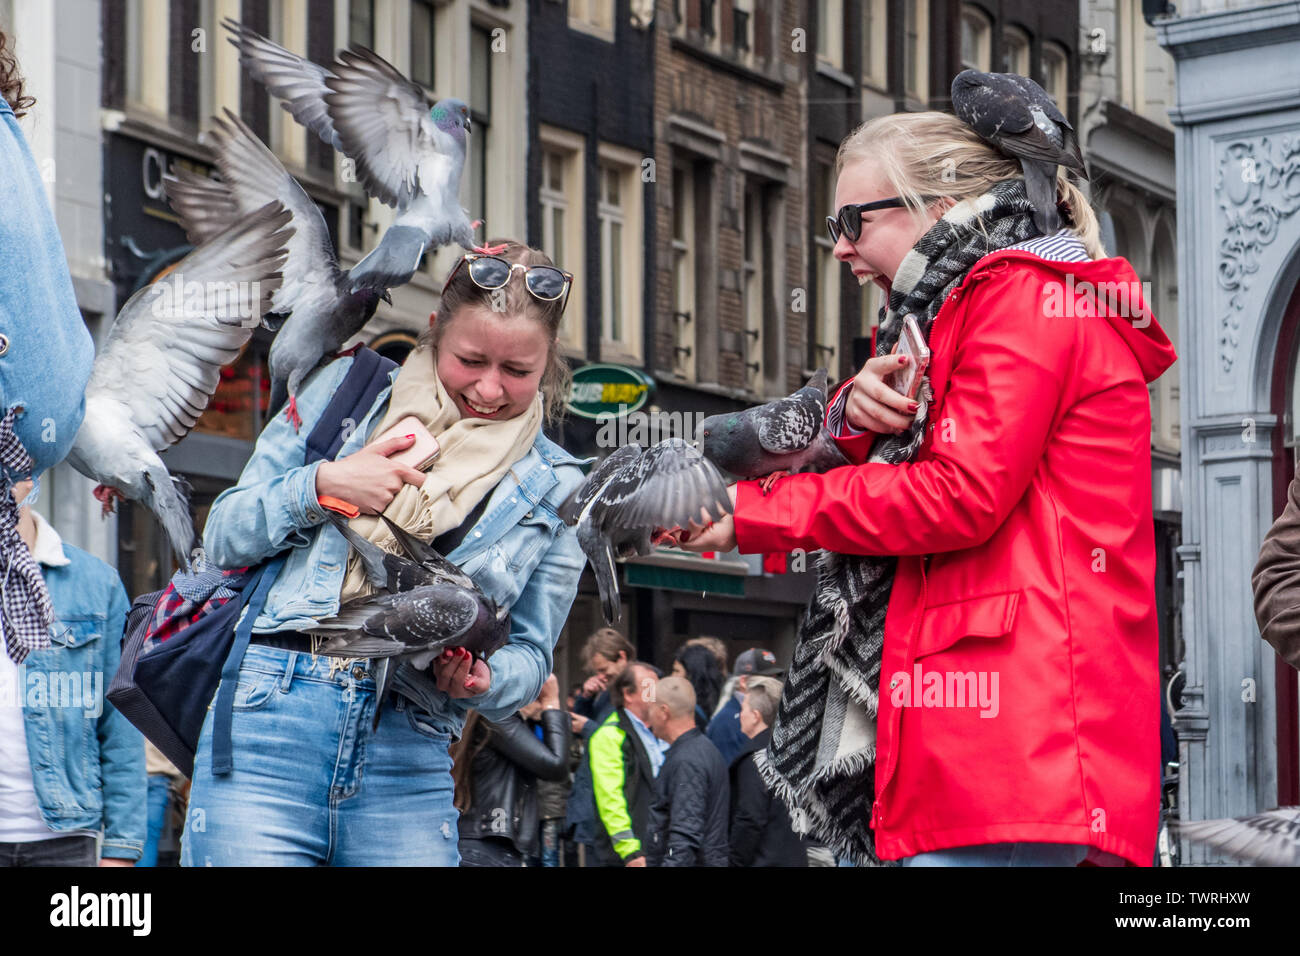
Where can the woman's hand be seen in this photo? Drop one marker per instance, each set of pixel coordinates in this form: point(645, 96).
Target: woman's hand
point(368, 478)
point(718, 535)
point(549, 698)
point(459, 674)
point(873, 405)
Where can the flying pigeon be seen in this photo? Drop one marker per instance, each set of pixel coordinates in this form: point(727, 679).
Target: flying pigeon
point(407, 155)
point(634, 499)
point(161, 360)
point(1271, 838)
point(323, 306)
point(1016, 115)
point(782, 437)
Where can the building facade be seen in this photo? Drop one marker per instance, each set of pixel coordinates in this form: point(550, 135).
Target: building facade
point(1237, 122)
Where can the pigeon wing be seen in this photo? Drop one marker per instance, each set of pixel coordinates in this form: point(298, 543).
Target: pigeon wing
point(790, 424)
point(614, 463)
point(671, 485)
point(204, 205)
point(1268, 839)
point(383, 123)
point(162, 358)
point(298, 84)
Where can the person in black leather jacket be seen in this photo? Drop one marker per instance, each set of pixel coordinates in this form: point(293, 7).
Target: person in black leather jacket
point(496, 768)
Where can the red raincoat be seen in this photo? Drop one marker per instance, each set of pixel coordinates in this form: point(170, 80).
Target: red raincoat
point(1019, 689)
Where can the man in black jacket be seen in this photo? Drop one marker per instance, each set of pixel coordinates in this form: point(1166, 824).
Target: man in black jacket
point(688, 819)
point(761, 834)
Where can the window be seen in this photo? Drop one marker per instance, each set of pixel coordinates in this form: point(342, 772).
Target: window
point(875, 40)
point(618, 212)
point(480, 99)
point(1015, 51)
point(593, 16)
point(830, 32)
point(1056, 74)
point(709, 18)
point(916, 58)
point(826, 327)
point(422, 43)
point(146, 75)
point(976, 38)
point(560, 197)
point(684, 271)
point(753, 285)
point(742, 29)
point(361, 24)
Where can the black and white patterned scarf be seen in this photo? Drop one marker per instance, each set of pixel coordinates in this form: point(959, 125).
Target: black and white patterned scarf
point(25, 609)
point(821, 760)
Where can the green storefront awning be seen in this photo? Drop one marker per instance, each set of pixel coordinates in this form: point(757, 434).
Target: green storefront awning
point(683, 579)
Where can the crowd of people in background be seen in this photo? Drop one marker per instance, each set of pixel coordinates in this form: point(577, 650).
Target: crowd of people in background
point(658, 770)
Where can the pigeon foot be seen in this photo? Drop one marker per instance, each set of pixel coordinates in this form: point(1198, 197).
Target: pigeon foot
point(106, 495)
point(765, 483)
point(349, 353)
point(491, 250)
point(291, 413)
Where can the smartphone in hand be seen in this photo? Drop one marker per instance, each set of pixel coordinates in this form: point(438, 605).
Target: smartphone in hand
point(907, 380)
point(420, 455)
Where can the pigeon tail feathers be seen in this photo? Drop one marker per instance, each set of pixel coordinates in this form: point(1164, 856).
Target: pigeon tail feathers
point(392, 262)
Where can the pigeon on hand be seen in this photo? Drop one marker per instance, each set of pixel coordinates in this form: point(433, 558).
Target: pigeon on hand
point(635, 499)
point(323, 310)
point(407, 155)
point(161, 361)
point(783, 437)
point(1016, 116)
point(418, 628)
point(1271, 838)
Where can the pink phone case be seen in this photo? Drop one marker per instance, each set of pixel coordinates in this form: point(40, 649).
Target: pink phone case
point(420, 455)
point(908, 380)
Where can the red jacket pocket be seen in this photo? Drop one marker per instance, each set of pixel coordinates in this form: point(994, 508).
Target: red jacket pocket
point(991, 615)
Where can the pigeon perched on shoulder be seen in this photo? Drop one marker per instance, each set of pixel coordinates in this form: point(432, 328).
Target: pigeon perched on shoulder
point(780, 438)
point(632, 498)
point(1015, 115)
point(1271, 838)
point(161, 361)
point(323, 306)
point(407, 154)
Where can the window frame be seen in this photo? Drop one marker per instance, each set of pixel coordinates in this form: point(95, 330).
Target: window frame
point(571, 199)
point(629, 213)
point(970, 13)
point(919, 59)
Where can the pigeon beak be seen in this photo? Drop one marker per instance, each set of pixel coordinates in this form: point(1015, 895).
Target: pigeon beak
point(467, 124)
point(386, 297)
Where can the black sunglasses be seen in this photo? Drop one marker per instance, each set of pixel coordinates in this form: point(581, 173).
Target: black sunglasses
point(849, 218)
point(488, 272)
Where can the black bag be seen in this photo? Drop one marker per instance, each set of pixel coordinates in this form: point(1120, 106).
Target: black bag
point(181, 642)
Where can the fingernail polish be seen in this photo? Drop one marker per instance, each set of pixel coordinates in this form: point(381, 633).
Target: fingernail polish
point(913, 406)
point(412, 435)
point(902, 360)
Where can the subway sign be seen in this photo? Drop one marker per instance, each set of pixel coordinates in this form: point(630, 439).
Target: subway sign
point(602, 390)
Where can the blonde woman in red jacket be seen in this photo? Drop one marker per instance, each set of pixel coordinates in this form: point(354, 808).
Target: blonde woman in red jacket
point(976, 680)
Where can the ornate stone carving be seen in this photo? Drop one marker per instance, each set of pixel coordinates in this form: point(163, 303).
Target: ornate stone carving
point(1258, 185)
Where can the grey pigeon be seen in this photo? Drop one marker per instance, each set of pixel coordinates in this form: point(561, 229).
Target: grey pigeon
point(1271, 838)
point(161, 361)
point(1016, 116)
point(781, 437)
point(633, 496)
point(408, 155)
point(400, 574)
point(322, 309)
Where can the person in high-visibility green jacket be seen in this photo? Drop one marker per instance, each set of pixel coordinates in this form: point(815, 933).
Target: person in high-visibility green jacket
point(624, 759)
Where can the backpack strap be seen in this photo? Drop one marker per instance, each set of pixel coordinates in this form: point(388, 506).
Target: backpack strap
point(253, 597)
point(366, 378)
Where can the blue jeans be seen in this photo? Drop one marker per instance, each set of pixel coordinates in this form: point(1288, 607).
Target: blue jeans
point(312, 783)
point(159, 796)
point(1002, 854)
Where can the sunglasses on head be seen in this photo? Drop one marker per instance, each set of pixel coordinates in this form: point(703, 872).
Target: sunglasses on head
point(849, 219)
point(490, 272)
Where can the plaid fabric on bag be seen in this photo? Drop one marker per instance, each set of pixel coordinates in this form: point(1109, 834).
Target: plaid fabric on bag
point(191, 595)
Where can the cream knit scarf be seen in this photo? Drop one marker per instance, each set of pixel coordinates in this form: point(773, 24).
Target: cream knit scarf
point(476, 453)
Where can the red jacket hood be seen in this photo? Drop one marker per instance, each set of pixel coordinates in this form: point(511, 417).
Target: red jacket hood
point(1109, 289)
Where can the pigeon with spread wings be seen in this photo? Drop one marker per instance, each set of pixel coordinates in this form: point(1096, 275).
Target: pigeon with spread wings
point(161, 361)
point(407, 154)
point(1271, 838)
point(323, 307)
point(633, 498)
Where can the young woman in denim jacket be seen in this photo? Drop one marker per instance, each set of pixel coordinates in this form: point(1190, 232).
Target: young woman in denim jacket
point(312, 784)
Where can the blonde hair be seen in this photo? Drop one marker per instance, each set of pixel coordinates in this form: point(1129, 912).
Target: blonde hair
point(936, 154)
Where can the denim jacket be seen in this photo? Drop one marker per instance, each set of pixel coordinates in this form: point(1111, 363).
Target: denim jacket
point(519, 552)
point(47, 350)
point(87, 760)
